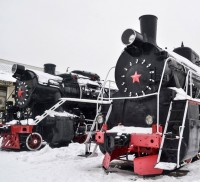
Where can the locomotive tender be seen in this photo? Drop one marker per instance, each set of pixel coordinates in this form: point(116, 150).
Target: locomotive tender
point(43, 112)
point(155, 113)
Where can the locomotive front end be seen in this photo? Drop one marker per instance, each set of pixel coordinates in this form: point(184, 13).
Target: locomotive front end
point(146, 120)
point(133, 126)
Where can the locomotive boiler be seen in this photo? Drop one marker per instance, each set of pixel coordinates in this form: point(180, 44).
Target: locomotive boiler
point(39, 91)
point(155, 113)
point(42, 112)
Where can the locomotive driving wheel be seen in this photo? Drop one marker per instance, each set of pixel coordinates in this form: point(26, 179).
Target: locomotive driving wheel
point(34, 141)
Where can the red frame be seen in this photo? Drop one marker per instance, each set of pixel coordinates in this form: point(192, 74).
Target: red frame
point(145, 165)
point(146, 146)
point(21, 129)
point(11, 140)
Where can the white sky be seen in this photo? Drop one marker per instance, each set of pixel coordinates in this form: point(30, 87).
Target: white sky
point(86, 34)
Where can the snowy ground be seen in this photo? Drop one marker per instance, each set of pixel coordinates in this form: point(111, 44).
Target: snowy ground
point(64, 165)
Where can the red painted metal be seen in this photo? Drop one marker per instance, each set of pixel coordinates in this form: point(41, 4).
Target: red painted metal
point(144, 146)
point(145, 165)
point(104, 127)
point(80, 138)
point(21, 129)
point(106, 161)
point(194, 102)
point(154, 128)
point(99, 137)
point(136, 77)
point(116, 153)
point(142, 150)
point(10, 141)
point(20, 92)
point(146, 140)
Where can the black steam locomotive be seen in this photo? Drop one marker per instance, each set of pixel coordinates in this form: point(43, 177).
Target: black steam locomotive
point(42, 111)
point(155, 113)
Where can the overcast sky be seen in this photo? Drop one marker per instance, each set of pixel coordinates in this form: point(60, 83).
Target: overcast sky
point(86, 34)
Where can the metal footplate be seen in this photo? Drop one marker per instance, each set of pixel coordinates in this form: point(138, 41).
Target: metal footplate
point(87, 141)
point(166, 165)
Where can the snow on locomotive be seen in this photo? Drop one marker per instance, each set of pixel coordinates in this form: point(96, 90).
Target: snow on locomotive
point(155, 113)
point(42, 112)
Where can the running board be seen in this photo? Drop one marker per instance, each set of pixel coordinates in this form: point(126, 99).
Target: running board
point(166, 165)
point(87, 100)
point(62, 101)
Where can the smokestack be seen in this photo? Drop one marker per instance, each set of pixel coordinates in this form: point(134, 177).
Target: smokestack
point(50, 68)
point(148, 26)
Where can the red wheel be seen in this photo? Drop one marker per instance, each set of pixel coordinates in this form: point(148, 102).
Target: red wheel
point(187, 161)
point(34, 141)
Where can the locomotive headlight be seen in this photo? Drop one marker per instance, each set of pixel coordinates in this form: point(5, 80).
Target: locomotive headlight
point(100, 119)
point(128, 36)
point(149, 120)
point(19, 114)
point(18, 69)
point(132, 38)
point(14, 68)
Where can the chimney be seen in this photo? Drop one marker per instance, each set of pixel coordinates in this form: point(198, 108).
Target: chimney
point(148, 26)
point(50, 68)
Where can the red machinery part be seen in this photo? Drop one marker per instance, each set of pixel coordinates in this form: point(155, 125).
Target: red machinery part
point(154, 128)
point(21, 129)
point(10, 141)
point(139, 143)
point(116, 153)
point(80, 138)
point(104, 127)
point(146, 140)
point(99, 137)
point(106, 161)
point(145, 165)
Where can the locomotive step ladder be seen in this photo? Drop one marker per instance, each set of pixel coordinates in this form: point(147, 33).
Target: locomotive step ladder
point(169, 152)
point(62, 101)
point(99, 103)
point(90, 133)
point(48, 112)
point(87, 141)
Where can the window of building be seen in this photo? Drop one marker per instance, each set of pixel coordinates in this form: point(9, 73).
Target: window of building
point(3, 92)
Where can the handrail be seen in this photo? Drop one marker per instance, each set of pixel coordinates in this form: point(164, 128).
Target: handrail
point(181, 134)
point(158, 96)
point(101, 93)
point(136, 97)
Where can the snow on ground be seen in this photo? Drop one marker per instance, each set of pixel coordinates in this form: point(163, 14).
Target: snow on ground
point(64, 165)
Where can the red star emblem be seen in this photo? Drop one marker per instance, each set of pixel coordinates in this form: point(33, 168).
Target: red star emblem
point(20, 92)
point(136, 77)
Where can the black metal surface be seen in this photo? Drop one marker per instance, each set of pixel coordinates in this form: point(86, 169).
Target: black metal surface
point(148, 26)
point(50, 68)
point(134, 76)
